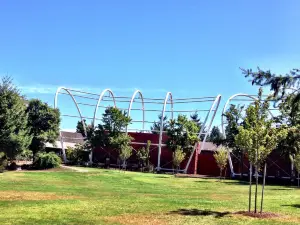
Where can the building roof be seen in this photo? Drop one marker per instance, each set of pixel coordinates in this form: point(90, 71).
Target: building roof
point(71, 137)
point(209, 146)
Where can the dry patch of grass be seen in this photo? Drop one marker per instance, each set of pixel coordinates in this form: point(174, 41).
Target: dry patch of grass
point(136, 219)
point(219, 197)
point(32, 195)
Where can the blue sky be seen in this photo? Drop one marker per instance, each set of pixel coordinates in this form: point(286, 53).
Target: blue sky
point(191, 48)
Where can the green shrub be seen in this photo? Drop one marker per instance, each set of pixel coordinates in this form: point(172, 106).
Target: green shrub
point(26, 155)
point(3, 162)
point(47, 160)
point(77, 155)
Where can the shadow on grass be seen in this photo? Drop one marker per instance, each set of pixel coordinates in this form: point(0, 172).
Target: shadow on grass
point(281, 189)
point(228, 182)
point(198, 212)
point(293, 205)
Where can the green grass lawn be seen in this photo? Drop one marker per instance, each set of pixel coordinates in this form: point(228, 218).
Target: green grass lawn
point(113, 197)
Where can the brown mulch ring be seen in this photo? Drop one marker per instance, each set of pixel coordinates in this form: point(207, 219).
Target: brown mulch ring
point(263, 215)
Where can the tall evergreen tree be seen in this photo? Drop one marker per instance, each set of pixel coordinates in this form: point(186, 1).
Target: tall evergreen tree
point(155, 129)
point(14, 133)
point(279, 84)
point(195, 117)
point(216, 136)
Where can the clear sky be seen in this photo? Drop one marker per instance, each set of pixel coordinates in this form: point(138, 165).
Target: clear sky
point(191, 48)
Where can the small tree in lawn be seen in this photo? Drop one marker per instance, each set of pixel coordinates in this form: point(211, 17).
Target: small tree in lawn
point(178, 157)
point(122, 143)
point(125, 153)
point(144, 155)
point(221, 157)
point(297, 165)
point(258, 138)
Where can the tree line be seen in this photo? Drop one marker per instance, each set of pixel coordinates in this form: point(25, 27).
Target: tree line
point(25, 125)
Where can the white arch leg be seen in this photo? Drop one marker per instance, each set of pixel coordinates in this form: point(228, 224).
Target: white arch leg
point(79, 112)
point(169, 94)
point(215, 105)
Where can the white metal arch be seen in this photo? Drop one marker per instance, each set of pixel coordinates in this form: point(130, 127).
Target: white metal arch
point(223, 123)
point(130, 106)
point(99, 101)
point(214, 106)
point(168, 95)
point(79, 112)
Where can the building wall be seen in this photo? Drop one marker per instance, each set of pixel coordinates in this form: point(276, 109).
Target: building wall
point(206, 164)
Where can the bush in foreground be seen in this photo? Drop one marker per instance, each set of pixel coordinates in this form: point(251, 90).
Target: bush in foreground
point(3, 162)
point(47, 160)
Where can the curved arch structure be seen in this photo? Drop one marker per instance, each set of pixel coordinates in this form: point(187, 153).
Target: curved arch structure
point(214, 107)
point(223, 123)
point(79, 112)
point(168, 95)
point(99, 102)
point(130, 106)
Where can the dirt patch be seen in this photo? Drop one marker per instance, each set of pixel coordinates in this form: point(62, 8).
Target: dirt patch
point(264, 215)
point(137, 219)
point(31, 195)
point(58, 169)
point(220, 197)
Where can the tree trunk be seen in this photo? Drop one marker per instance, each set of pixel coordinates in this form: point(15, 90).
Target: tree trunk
point(220, 174)
point(256, 185)
point(242, 170)
point(298, 179)
point(250, 186)
point(263, 188)
point(256, 173)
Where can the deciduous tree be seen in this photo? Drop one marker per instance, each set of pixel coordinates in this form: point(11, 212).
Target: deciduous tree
point(43, 122)
point(221, 157)
point(258, 138)
point(178, 157)
point(143, 154)
point(182, 132)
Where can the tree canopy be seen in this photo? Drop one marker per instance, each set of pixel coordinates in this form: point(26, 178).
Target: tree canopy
point(216, 136)
point(182, 132)
point(277, 83)
point(43, 123)
point(155, 128)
